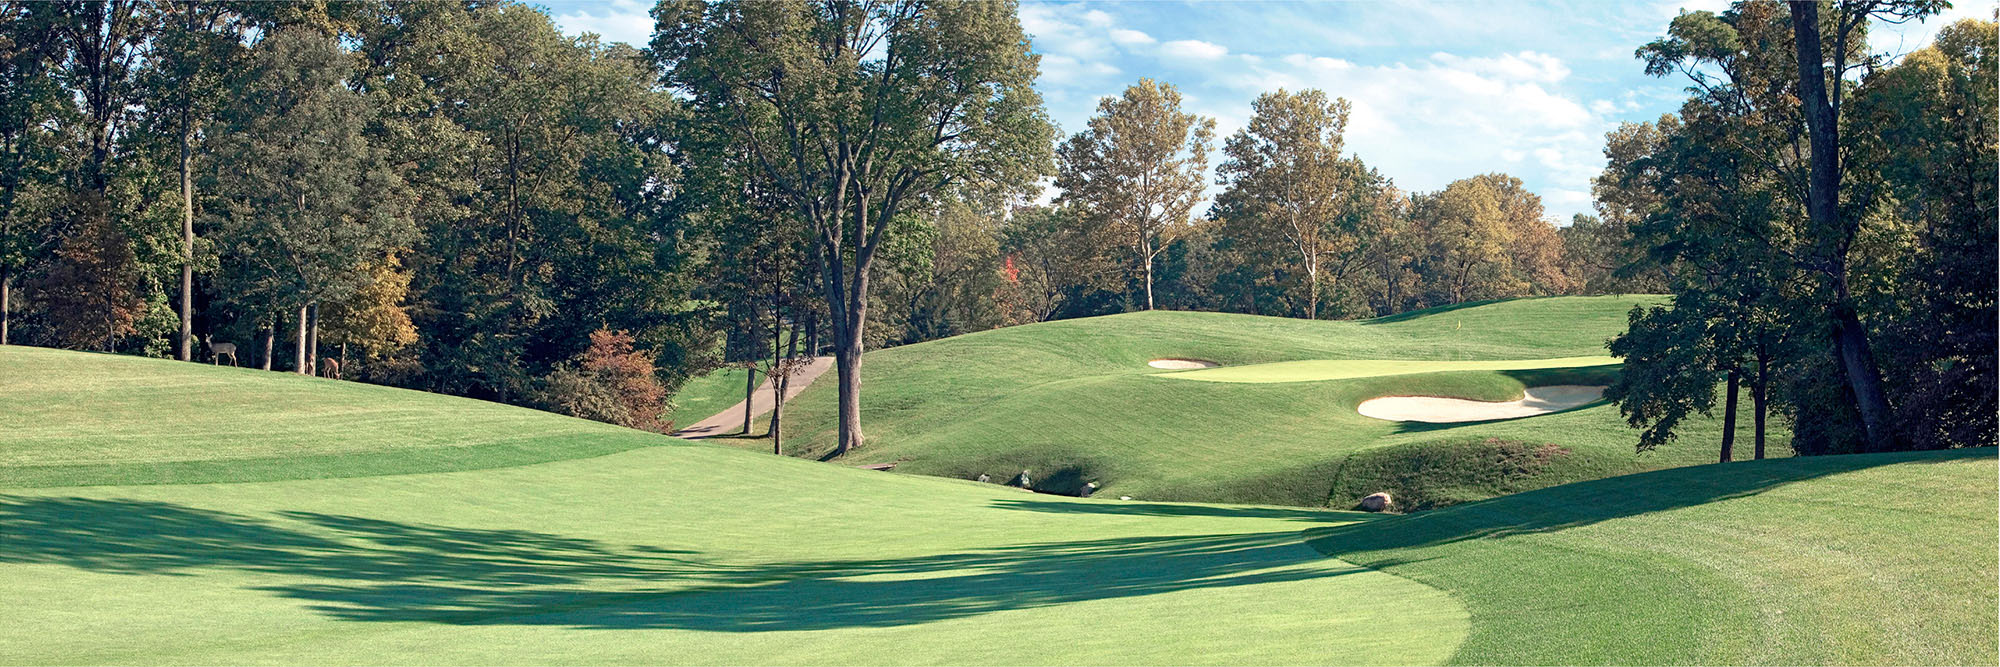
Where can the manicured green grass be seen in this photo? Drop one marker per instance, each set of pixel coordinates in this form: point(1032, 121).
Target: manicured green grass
point(73, 418)
point(1320, 370)
point(1074, 401)
point(699, 554)
point(1865, 559)
point(671, 552)
point(702, 397)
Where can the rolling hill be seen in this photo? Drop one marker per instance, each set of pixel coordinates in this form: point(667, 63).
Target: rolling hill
point(620, 547)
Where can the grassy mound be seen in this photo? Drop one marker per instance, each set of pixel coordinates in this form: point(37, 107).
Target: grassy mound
point(1076, 399)
point(1865, 559)
point(74, 418)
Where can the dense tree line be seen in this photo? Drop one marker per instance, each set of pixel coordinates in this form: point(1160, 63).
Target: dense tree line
point(454, 196)
point(1825, 221)
point(451, 196)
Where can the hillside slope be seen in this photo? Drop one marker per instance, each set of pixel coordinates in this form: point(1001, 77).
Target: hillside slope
point(704, 554)
point(1075, 401)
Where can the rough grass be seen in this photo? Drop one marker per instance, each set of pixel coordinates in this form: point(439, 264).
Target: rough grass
point(1076, 399)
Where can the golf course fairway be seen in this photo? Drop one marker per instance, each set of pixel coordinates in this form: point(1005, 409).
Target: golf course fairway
point(624, 547)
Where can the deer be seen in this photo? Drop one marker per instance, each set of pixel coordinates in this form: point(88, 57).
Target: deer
point(216, 350)
point(329, 367)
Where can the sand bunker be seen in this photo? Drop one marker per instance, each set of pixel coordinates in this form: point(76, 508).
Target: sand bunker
point(1182, 364)
point(1538, 401)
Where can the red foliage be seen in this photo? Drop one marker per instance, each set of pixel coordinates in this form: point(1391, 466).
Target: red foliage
point(88, 293)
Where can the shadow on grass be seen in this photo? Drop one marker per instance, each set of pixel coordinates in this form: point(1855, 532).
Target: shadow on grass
point(1586, 503)
point(1427, 427)
point(360, 569)
point(1178, 509)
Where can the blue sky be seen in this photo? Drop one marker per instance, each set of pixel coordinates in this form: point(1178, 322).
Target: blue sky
point(1441, 90)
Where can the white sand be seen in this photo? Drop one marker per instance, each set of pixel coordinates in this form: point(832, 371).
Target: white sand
point(1539, 401)
point(1181, 364)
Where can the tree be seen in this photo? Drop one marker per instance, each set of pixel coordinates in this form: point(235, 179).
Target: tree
point(1049, 254)
point(1603, 256)
point(373, 319)
point(853, 110)
point(610, 382)
point(545, 188)
point(1287, 180)
point(1484, 237)
point(1836, 223)
point(1925, 134)
point(197, 44)
point(309, 202)
point(30, 146)
point(1139, 169)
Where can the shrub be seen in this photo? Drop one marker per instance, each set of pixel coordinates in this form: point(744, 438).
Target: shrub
point(610, 382)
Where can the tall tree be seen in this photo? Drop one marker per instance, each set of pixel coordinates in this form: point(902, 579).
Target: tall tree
point(1286, 179)
point(30, 145)
point(853, 109)
point(310, 205)
point(1139, 169)
point(1925, 134)
point(197, 44)
point(1836, 222)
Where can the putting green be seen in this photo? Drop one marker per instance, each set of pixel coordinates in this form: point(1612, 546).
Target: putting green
point(1320, 370)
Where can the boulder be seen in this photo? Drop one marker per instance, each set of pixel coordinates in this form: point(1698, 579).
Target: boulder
point(1377, 502)
point(1024, 481)
point(984, 478)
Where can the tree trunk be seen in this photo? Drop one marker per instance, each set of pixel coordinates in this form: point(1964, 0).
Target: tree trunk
point(1147, 250)
point(312, 340)
point(1312, 293)
point(1823, 205)
point(782, 384)
point(1758, 389)
point(299, 357)
point(187, 246)
point(6, 302)
point(749, 392)
point(847, 358)
point(270, 332)
point(1729, 419)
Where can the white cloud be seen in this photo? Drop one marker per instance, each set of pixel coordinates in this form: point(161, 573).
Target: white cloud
point(1064, 70)
point(1130, 37)
point(1428, 120)
point(1193, 49)
point(1567, 196)
point(616, 21)
point(1526, 65)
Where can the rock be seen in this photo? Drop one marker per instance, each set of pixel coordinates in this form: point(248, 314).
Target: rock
point(1023, 481)
point(1087, 490)
point(984, 478)
point(1124, 497)
point(1377, 502)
